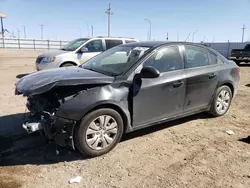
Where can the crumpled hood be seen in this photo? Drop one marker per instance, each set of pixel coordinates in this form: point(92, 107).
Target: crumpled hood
point(53, 53)
point(43, 81)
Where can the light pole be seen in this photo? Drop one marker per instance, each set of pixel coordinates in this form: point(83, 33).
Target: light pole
point(18, 33)
point(92, 30)
point(187, 39)
point(2, 16)
point(149, 28)
point(109, 14)
point(41, 25)
point(194, 34)
point(24, 31)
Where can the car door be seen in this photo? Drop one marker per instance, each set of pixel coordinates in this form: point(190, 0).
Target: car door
point(157, 98)
point(201, 76)
point(94, 47)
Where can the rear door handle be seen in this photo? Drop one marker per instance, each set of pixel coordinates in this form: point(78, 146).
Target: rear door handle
point(177, 84)
point(212, 76)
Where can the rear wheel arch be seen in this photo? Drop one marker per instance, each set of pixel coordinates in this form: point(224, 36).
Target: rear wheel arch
point(230, 85)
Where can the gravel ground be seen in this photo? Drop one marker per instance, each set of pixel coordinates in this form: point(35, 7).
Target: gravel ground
point(191, 152)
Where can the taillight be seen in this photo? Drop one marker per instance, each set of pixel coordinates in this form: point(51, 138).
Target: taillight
point(238, 69)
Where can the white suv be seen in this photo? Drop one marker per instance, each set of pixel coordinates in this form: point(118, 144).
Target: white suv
point(78, 51)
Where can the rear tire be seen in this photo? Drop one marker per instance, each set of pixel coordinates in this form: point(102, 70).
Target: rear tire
point(221, 102)
point(98, 132)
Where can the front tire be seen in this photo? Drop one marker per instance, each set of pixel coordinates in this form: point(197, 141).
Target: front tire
point(221, 102)
point(99, 132)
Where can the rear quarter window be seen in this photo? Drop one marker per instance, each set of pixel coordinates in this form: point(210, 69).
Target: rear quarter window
point(112, 43)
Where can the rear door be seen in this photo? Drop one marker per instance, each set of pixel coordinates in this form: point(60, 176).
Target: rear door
point(95, 47)
point(201, 76)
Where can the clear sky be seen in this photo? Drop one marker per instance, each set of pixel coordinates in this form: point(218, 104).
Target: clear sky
point(68, 19)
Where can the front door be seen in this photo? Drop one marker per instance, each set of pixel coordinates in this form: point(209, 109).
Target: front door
point(157, 98)
point(95, 47)
point(202, 78)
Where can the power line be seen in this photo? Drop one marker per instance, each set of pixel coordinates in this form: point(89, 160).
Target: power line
point(109, 14)
point(243, 32)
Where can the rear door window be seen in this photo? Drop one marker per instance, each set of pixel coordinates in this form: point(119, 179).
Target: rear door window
point(112, 43)
point(195, 57)
point(129, 41)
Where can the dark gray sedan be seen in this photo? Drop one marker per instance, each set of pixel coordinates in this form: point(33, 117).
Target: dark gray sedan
point(126, 88)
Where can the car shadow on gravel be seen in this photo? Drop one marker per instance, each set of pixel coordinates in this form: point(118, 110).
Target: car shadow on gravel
point(21, 75)
point(23, 149)
point(245, 140)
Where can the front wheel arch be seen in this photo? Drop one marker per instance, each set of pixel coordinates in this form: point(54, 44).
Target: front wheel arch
point(68, 62)
point(113, 107)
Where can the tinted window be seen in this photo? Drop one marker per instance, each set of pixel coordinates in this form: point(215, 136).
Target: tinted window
point(112, 43)
point(128, 41)
point(166, 59)
point(196, 57)
point(94, 46)
point(213, 58)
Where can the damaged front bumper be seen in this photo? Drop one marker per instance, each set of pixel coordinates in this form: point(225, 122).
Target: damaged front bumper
point(53, 128)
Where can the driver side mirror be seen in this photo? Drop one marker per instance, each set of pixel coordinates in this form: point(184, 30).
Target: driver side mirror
point(149, 72)
point(84, 49)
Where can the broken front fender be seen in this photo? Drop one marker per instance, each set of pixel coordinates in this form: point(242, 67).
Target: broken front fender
point(77, 107)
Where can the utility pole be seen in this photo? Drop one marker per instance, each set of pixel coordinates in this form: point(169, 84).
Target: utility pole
point(109, 14)
point(149, 28)
point(194, 34)
point(41, 25)
point(92, 30)
point(24, 31)
point(243, 32)
point(18, 33)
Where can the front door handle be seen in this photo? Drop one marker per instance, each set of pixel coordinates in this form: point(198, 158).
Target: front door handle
point(212, 76)
point(177, 84)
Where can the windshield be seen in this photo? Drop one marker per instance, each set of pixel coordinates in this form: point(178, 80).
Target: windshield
point(115, 61)
point(74, 44)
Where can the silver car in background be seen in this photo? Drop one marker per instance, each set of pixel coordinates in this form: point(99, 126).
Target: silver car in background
point(78, 51)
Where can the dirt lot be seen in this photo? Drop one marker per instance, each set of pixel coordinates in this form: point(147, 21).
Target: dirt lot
point(192, 152)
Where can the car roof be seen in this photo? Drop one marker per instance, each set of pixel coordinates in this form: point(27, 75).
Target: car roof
point(154, 44)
